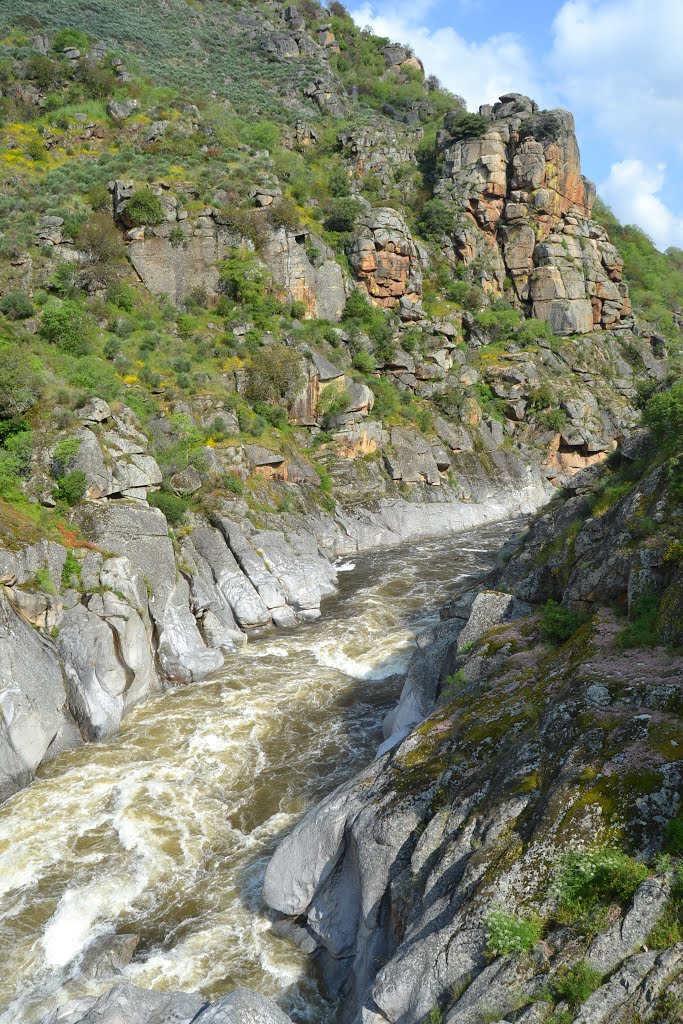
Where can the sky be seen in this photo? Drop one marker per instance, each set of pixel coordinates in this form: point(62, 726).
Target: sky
point(616, 64)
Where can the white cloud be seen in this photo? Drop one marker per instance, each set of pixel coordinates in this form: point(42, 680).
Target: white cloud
point(631, 190)
point(479, 72)
point(620, 60)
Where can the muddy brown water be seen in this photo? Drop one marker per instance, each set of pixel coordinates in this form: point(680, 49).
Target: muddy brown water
point(164, 831)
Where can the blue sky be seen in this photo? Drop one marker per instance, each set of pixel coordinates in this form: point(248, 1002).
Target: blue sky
point(616, 64)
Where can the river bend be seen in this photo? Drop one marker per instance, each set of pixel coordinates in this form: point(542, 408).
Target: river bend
point(164, 831)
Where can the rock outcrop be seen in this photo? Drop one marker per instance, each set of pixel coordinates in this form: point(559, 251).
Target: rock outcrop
point(523, 211)
point(385, 259)
point(128, 1005)
point(526, 753)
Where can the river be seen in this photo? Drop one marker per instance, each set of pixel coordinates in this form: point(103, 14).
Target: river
point(164, 831)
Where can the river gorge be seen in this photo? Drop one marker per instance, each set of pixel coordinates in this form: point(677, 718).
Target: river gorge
point(164, 832)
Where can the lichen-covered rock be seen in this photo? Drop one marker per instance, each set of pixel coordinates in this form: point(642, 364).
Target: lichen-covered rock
point(305, 267)
point(385, 258)
point(523, 211)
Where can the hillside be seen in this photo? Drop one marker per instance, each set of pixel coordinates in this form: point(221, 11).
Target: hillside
point(270, 296)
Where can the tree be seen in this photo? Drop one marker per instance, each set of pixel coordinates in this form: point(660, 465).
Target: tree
point(20, 384)
point(68, 326)
point(275, 375)
point(144, 207)
point(102, 244)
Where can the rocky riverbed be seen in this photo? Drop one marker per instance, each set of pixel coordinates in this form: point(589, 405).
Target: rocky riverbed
point(141, 858)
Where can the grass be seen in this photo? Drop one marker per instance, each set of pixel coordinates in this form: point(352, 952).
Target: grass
point(589, 882)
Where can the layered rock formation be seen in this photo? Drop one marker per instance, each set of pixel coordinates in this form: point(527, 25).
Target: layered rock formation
point(524, 212)
point(385, 259)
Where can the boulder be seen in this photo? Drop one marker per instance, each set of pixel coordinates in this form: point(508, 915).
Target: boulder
point(385, 258)
point(34, 719)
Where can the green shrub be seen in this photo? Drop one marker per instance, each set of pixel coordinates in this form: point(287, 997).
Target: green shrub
point(67, 38)
point(71, 571)
point(552, 419)
point(68, 326)
point(71, 487)
point(233, 483)
point(63, 456)
point(669, 928)
point(144, 207)
point(642, 629)
point(558, 623)
point(275, 374)
point(498, 324)
point(41, 70)
point(664, 415)
point(588, 882)
point(532, 331)
point(16, 305)
point(467, 126)
point(173, 506)
point(673, 836)
point(341, 214)
point(43, 581)
point(387, 398)
point(20, 383)
point(506, 934)
point(576, 983)
point(363, 361)
point(436, 219)
point(334, 400)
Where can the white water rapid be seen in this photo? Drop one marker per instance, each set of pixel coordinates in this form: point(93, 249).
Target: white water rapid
point(164, 831)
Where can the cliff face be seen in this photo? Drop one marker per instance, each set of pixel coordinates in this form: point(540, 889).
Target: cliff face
point(246, 330)
point(524, 213)
point(542, 756)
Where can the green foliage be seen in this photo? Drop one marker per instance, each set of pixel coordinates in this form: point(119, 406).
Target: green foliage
point(498, 324)
point(43, 581)
point(589, 882)
point(41, 70)
point(71, 487)
point(363, 362)
point(172, 505)
point(275, 374)
point(63, 456)
point(144, 207)
point(673, 836)
point(436, 220)
point(67, 325)
point(71, 571)
point(20, 383)
point(16, 305)
point(663, 414)
point(506, 933)
point(532, 331)
point(642, 628)
point(341, 214)
point(576, 983)
point(15, 461)
point(68, 38)
point(669, 928)
point(387, 398)
point(233, 483)
point(552, 419)
point(558, 623)
point(655, 278)
point(334, 400)
point(467, 126)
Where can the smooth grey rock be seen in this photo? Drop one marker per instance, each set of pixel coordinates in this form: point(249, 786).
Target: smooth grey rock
point(34, 721)
point(630, 935)
point(488, 610)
